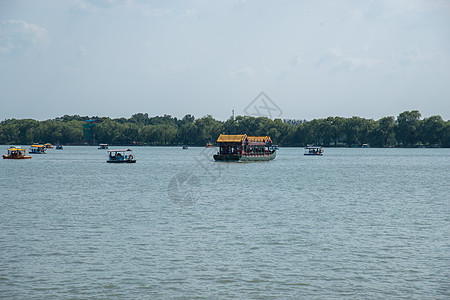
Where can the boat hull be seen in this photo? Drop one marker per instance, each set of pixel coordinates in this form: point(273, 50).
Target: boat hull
point(313, 154)
point(244, 158)
point(22, 157)
point(131, 161)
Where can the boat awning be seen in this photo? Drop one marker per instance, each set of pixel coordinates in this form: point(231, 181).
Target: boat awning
point(103, 144)
point(37, 146)
point(237, 138)
point(16, 149)
point(120, 150)
point(259, 139)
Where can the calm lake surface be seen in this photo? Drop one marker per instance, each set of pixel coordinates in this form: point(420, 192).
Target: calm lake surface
point(354, 223)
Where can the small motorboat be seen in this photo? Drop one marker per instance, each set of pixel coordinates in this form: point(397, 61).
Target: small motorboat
point(37, 149)
point(103, 146)
point(313, 150)
point(120, 156)
point(16, 153)
point(59, 147)
point(48, 145)
point(185, 147)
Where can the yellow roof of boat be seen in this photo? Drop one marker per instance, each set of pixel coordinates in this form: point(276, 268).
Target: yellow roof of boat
point(225, 138)
point(16, 149)
point(37, 146)
point(253, 139)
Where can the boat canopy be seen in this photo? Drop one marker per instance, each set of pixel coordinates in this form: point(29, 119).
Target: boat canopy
point(120, 150)
point(37, 146)
point(225, 138)
point(103, 144)
point(244, 138)
point(16, 149)
point(259, 139)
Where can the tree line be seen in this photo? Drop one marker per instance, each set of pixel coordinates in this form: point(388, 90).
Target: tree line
point(407, 130)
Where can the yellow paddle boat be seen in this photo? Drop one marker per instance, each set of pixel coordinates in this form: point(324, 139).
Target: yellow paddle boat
point(37, 149)
point(16, 153)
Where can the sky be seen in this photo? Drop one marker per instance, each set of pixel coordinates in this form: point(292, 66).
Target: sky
point(283, 59)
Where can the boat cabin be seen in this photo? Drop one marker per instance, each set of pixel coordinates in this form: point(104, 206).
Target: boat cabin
point(231, 144)
point(258, 145)
point(120, 156)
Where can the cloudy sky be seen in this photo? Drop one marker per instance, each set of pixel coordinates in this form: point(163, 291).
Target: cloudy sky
point(313, 59)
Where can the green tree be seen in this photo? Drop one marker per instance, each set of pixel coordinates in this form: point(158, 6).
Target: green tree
point(408, 127)
point(432, 130)
point(386, 128)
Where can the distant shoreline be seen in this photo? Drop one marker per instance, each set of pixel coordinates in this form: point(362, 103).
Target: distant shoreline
point(197, 146)
point(407, 130)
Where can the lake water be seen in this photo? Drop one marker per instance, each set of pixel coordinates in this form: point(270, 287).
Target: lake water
point(354, 223)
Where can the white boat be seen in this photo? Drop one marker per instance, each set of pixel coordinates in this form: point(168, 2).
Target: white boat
point(313, 150)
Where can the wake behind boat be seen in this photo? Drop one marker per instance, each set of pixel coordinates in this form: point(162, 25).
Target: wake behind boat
point(244, 148)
